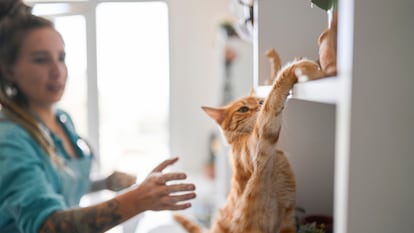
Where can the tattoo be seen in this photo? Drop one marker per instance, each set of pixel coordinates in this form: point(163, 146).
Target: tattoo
point(98, 218)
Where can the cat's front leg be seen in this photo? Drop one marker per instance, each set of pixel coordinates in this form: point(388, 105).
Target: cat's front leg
point(307, 70)
point(263, 147)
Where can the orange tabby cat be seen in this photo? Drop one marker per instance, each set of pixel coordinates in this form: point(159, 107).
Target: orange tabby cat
point(262, 193)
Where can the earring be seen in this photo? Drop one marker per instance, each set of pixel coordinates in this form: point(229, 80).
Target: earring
point(11, 90)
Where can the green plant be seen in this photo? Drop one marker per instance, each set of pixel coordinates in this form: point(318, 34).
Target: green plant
point(311, 228)
point(326, 4)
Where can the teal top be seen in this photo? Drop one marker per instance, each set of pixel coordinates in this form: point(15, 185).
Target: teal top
point(31, 186)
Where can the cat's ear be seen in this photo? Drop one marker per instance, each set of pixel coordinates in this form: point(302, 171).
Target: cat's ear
point(251, 93)
point(216, 114)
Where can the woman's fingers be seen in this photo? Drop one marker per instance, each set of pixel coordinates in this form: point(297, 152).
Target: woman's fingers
point(174, 176)
point(182, 197)
point(164, 193)
point(162, 179)
point(165, 164)
point(167, 189)
point(182, 206)
point(178, 202)
point(174, 188)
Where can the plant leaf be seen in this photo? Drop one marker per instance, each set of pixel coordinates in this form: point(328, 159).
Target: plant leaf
point(323, 4)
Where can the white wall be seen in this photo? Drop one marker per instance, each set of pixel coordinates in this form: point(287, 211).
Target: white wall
point(291, 27)
point(195, 76)
point(308, 139)
point(381, 131)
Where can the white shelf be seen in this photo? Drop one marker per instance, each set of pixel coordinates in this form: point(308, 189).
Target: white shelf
point(323, 90)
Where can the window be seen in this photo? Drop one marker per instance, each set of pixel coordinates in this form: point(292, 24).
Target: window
point(73, 30)
point(133, 85)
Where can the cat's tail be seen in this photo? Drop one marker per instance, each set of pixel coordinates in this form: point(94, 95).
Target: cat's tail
point(275, 65)
point(188, 225)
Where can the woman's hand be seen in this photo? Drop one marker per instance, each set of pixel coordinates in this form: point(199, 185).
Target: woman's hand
point(119, 180)
point(155, 192)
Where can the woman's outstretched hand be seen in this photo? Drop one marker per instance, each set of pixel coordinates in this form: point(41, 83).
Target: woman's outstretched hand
point(156, 193)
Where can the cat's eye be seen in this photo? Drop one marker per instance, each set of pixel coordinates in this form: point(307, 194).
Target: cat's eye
point(261, 102)
point(243, 109)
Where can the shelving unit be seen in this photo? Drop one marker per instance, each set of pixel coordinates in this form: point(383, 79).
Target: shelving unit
point(323, 91)
point(372, 99)
point(308, 130)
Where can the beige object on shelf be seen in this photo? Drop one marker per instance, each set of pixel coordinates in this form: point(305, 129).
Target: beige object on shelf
point(327, 47)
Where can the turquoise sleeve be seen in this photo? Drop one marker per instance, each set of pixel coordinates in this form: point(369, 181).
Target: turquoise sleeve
point(28, 182)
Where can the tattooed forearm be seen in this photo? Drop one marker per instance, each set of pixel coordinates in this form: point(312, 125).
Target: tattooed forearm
point(94, 219)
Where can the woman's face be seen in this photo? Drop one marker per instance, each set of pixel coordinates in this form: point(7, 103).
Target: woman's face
point(40, 71)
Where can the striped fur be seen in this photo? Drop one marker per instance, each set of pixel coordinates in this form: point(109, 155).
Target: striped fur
point(262, 193)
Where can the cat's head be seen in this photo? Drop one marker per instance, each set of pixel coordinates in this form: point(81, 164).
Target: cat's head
point(238, 117)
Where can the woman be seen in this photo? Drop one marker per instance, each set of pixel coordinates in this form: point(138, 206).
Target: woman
point(44, 164)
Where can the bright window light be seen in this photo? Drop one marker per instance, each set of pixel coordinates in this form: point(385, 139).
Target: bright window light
point(133, 85)
point(51, 9)
point(73, 30)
